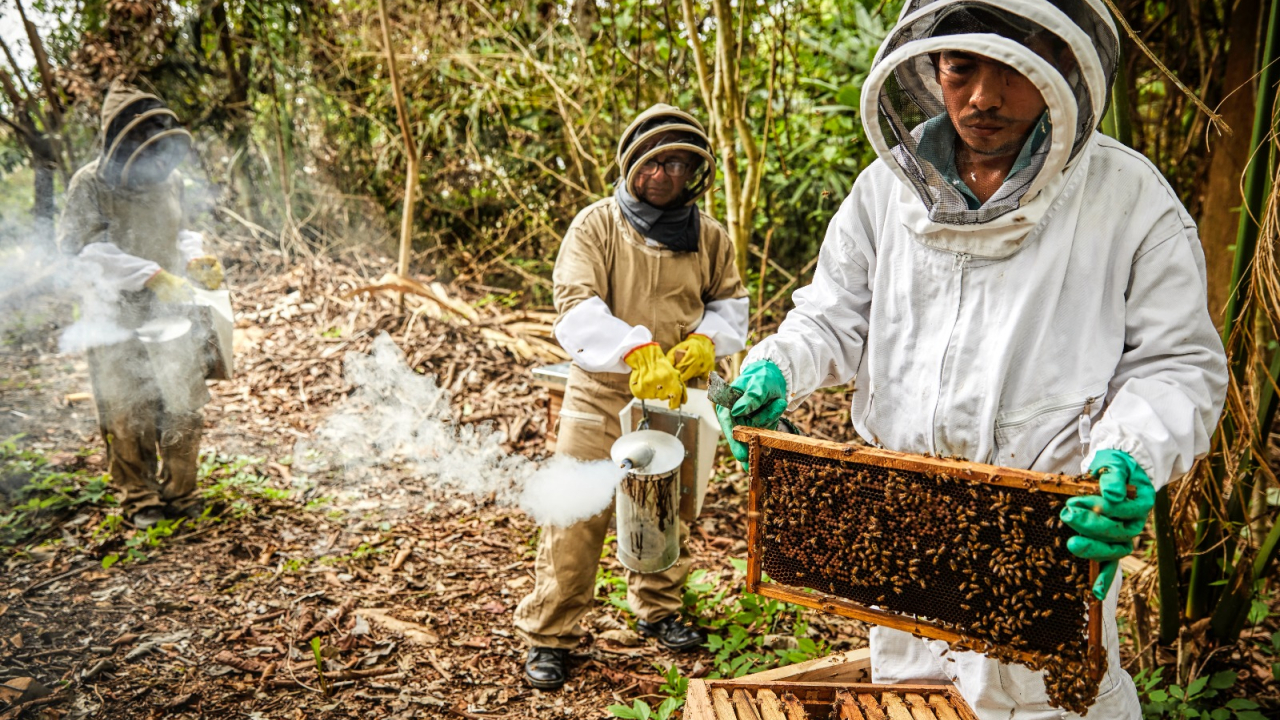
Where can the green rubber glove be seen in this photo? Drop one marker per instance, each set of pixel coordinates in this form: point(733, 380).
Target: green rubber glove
point(764, 399)
point(1108, 523)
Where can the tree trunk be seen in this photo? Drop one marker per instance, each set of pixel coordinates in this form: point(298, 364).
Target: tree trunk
point(43, 207)
point(1220, 217)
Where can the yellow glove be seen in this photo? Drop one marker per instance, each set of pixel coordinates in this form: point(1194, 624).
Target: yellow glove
point(653, 377)
point(207, 271)
point(169, 288)
point(695, 357)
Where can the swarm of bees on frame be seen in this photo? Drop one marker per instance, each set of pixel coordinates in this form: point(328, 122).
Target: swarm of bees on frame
point(987, 562)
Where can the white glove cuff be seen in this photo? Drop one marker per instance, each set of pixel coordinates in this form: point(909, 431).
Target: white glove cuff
point(191, 245)
point(725, 322)
point(121, 270)
point(596, 340)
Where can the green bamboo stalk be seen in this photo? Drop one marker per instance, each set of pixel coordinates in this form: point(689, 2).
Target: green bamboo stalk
point(1167, 568)
point(1267, 552)
point(1231, 613)
point(1117, 123)
point(1206, 570)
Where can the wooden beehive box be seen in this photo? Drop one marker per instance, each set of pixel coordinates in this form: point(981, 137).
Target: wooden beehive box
point(836, 687)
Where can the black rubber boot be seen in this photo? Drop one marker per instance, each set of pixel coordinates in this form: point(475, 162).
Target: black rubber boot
point(189, 507)
point(147, 517)
point(672, 633)
point(546, 668)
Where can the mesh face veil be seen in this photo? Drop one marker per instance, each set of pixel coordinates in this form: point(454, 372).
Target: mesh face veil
point(660, 129)
point(147, 148)
point(1066, 48)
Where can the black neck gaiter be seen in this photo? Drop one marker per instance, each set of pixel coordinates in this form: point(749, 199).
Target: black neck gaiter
point(675, 228)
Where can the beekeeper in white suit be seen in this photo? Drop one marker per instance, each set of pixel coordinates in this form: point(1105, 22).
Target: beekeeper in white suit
point(1007, 285)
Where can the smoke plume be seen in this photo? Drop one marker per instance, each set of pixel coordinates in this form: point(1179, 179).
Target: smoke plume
point(37, 281)
point(396, 419)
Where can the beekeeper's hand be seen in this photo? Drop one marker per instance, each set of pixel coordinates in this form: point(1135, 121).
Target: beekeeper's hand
point(694, 357)
point(1109, 522)
point(653, 377)
point(206, 270)
point(764, 399)
point(169, 288)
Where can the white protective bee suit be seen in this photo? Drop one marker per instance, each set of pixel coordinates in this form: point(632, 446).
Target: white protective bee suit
point(1064, 316)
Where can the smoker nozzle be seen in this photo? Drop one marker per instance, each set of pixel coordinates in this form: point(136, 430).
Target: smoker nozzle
point(639, 457)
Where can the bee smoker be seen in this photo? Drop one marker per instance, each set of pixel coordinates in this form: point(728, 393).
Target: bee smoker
point(648, 500)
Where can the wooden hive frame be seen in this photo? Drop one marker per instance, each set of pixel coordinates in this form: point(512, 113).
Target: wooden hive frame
point(757, 439)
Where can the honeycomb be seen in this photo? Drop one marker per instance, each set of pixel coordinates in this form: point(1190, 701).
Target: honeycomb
point(984, 563)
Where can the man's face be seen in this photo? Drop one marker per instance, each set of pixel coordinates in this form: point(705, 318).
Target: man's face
point(662, 179)
point(992, 106)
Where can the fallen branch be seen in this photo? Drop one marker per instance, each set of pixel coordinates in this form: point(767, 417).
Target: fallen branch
point(338, 676)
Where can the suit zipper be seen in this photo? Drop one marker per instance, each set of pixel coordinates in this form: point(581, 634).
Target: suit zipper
point(961, 260)
point(1084, 426)
point(1084, 414)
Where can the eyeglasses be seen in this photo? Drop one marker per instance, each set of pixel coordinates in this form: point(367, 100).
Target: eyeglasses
point(674, 168)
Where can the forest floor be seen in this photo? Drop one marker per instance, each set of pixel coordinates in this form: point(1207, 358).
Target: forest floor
point(410, 600)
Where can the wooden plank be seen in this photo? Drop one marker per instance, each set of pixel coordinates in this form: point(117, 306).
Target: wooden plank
point(770, 706)
point(724, 708)
point(697, 702)
point(754, 555)
point(1095, 626)
point(919, 708)
point(846, 708)
point(896, 708)
point(975, 472)
point(870, 706)
point(745, 707)
point(959, 704)
point(942, 707)
point(851, 667)
point(795, 709)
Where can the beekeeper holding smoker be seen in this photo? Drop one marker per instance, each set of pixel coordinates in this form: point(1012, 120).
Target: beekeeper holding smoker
point(648, 297)
point(124, 213)
point(1007, 285)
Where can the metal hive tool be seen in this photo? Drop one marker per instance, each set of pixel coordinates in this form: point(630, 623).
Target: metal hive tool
point(968, 553)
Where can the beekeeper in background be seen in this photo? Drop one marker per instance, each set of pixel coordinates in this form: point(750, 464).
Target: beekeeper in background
point(1006, 285)
point(648, 297)
point(124, 213)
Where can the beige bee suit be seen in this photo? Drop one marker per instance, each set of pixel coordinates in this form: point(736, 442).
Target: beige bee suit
point(615, 291)
point(131, 234)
